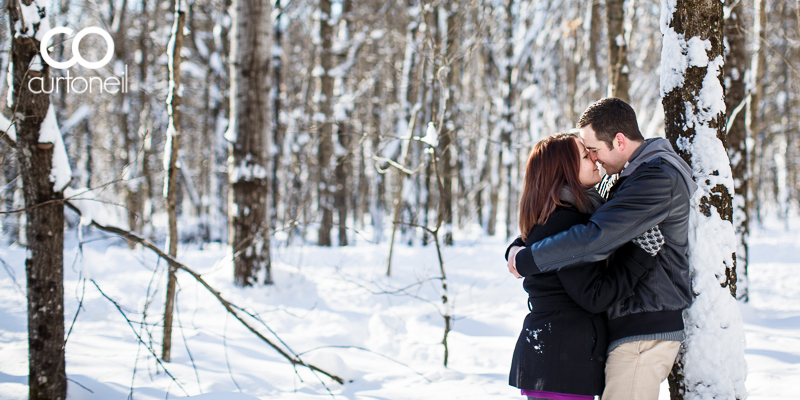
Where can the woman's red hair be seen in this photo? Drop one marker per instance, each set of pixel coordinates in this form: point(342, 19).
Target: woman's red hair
point(553, 164)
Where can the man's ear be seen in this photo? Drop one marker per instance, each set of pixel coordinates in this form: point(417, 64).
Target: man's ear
point(620, 141)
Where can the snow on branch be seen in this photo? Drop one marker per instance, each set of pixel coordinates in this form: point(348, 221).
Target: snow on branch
point(8, 128)
point(33, 20)
point(60, 170)
point(89, 207)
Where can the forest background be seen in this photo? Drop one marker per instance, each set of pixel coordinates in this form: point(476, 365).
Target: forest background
point(267, 124)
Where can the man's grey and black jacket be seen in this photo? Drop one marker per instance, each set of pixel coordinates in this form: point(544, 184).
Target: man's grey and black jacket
point(648, 204)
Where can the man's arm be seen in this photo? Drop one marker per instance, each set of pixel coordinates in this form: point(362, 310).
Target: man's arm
point(518, 242)
point(641, 203)
point(596, 288)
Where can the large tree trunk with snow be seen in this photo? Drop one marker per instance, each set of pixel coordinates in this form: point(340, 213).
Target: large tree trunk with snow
point(249, 131)
point(171, 149)
point(735, 102)
point(40, 153)
point(712, 357)
point(618, 82)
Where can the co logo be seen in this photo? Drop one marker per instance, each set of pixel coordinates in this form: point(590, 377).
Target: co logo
point(76, 52)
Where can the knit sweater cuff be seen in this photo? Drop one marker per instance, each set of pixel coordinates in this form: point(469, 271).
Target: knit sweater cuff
point(676, 336)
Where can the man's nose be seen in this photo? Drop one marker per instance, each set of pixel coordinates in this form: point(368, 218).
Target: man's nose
point(593, 156)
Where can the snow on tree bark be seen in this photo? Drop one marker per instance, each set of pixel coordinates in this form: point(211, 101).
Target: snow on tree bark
point(249, 133)
point(45, 171)
point(735, 101)
point(171, 149)
point(711, 361)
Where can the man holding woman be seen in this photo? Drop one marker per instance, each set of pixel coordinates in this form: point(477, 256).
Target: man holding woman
point(648, 205)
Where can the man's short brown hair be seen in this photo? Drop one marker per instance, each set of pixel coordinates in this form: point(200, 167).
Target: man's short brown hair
point(608, 116)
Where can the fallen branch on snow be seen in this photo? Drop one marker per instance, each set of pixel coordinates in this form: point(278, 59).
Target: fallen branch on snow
point(230, 307)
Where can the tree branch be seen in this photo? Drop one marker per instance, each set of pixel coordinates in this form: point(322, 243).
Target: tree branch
point(135, 237)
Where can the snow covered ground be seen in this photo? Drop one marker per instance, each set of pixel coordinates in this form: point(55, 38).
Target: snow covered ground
point(337, 309)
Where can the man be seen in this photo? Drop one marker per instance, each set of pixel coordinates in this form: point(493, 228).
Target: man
point(649, 205)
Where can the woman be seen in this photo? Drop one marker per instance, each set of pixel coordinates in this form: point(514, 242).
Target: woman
point(560, 353)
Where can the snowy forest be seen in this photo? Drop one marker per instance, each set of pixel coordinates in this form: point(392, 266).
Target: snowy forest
point(239, 199)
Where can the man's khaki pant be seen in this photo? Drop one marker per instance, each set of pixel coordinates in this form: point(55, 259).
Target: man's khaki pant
point(635, 370)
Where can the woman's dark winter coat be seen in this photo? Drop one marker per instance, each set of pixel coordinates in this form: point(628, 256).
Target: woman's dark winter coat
point(563, 342)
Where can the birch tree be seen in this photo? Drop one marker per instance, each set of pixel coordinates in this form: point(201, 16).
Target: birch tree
point(248, 133)
point(43, 165)
point(711, 362)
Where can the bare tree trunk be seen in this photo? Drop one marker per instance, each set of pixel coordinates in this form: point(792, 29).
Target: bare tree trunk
point(735, 101)
point(618, 83)
point(694, 117)
point(595, 32)
point(248, 215)
point(220, 104)
point(380, 180)
point(129, 158)
point(171, 160)
point(325, 126)
point(278, 129)
point(507, 154)
point(447, 140)
point(757, 73)
point(45, 217)
point(492, 172)
point(405, 126)
point(145, 131)
point(343, 168)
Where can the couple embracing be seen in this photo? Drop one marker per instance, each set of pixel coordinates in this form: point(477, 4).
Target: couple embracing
point(606, 270)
